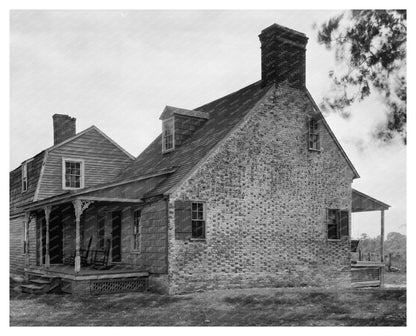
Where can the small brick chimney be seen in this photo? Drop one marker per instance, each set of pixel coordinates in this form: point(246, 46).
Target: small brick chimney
point(63, 128)
point(283, 55)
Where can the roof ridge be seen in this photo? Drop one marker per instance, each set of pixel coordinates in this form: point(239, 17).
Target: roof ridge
point(230, 94)
point(92, 127)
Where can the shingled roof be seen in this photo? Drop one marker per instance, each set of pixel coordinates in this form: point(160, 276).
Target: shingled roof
point(224, 114)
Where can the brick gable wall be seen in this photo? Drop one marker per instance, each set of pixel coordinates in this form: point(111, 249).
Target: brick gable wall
point(266, 196)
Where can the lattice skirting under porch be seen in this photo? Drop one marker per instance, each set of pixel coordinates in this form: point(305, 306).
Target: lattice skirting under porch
point(118, 285)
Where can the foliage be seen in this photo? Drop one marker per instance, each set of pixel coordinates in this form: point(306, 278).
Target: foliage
point(395, 244)
point(370, 52)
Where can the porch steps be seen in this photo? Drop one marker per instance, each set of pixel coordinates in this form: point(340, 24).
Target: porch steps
point(42, 285)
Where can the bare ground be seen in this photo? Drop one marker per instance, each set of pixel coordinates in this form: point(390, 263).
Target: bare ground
point(261, 307)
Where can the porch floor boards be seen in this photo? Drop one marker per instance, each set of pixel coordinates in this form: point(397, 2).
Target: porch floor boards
point(88, 273)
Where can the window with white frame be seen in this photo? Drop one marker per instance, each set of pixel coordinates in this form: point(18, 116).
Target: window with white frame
point(198, 220)
point(72, 174)
point(314, 141)
point(24, 177)
point(137, 215)
point(168, 136)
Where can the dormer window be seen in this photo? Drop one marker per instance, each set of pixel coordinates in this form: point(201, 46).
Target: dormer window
point(314, 141)
point(72, 174)
point(24, 177)
point(168, 135)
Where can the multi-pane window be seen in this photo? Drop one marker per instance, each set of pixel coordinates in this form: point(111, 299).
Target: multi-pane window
point(136, 229)
point(314, 134)
point(333, 223)
point(337, 223)
point(73, 170)
point(198, 220)
point(100, 231)
point(168, 140)
point(24, 177)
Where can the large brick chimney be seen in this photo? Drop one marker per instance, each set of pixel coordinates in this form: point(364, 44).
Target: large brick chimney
point(63, 128)
point(283, 55)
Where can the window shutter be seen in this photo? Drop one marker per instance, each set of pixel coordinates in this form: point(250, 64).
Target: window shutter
point(183, 220)
point(309, 134)
point(344, 224)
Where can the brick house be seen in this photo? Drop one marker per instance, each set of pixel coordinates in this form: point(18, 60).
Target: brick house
point(250, 190)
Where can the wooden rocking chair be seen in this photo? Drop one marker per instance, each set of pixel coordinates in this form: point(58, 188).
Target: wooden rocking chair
point(100, 259)
point(84, 253)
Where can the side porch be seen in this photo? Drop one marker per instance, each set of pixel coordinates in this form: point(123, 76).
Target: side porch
point(368, 273)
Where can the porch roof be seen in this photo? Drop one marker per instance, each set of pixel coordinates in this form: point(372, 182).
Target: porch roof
point(71, 197)
point(129, 191)
point(362, 202)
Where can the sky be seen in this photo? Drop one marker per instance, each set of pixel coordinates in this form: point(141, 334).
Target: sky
point(117, 70)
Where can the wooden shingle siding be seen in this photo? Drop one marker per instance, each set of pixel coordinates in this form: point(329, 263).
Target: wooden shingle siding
point(103, 162)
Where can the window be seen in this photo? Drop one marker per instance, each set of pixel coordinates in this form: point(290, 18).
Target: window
point(314, 135)
point(137, 215)
point(198, 220)
point(333, 224)
point(73, 174)
point(100, 231)
point(24, 177)
point(168, 139)
point(337, 223)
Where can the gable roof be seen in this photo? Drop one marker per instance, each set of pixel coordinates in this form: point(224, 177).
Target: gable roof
point(35, 168)
point(224, 114)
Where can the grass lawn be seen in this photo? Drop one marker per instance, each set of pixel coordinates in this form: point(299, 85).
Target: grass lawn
point(395, 278)
point(273, 307)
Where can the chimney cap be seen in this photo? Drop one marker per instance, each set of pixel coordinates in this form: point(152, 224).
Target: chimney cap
point(277, 32)
point(57, 115)
point(278, 27)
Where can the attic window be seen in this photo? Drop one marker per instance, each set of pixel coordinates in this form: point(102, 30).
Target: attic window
point(168, 138)
point(72, 174)
point(24, 177)
point(313, 139)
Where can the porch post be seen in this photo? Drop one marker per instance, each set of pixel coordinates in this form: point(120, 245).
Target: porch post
point(40, 222)
point(47, 210)
point(78, 211)
point(382, 248)
point(26, 221)
point(79, 206)
point(382, 237)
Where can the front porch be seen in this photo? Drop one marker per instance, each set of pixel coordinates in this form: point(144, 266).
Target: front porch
point(86, 243)
point(116, 279)
point(87, 273)
point(91, 281)
point(80, 232)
